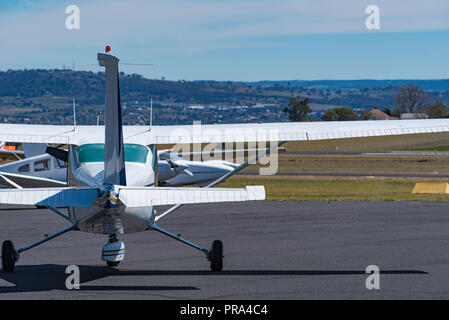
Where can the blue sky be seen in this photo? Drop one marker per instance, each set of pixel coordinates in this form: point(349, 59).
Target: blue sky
point(233, 40)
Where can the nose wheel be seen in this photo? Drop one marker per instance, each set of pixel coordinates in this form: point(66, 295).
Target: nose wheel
point(9, 256)
point(216, 256)
point(112, 264)
point(113, 251)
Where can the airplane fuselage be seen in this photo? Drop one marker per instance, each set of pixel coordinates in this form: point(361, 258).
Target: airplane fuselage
point(108, 215)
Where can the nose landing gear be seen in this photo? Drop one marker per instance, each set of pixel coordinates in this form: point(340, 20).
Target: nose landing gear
point(113, 251)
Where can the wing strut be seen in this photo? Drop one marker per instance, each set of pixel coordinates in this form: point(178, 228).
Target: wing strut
point(226, 176)
point(12, 183)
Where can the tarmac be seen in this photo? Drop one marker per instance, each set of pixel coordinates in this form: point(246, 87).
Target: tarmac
point(355, 174)
point(273, 250)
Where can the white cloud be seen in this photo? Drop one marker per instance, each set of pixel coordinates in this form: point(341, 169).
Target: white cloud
point(206, 25)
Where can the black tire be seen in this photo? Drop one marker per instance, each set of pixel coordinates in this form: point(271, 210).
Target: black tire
point(112, 263)
point(8, 256)
point(216, 256)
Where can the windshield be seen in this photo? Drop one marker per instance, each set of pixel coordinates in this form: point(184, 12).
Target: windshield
point(95, 153)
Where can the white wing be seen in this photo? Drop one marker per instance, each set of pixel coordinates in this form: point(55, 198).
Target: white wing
point(288, 131)
point(31, 133)
point(147, 197)
point(285, 131)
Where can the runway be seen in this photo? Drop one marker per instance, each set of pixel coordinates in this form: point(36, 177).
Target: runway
point(273, 250)
point(354, 174)
point(375, 154)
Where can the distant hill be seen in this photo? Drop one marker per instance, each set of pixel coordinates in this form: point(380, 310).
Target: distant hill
point(45, 96)
point(88, 87)
point(430, 85)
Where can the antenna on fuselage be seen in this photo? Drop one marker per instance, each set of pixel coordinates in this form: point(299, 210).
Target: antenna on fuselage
point(98, 118)
point(74, 114)
point(151, 114)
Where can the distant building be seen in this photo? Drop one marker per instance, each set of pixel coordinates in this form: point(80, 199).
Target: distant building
point(380, 115)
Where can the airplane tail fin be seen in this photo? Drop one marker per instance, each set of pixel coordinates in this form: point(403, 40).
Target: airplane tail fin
point(114, 159)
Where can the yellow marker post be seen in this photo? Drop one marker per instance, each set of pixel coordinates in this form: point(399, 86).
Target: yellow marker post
point(431, 187)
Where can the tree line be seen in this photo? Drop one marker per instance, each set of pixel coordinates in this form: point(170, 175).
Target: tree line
point(410, 98)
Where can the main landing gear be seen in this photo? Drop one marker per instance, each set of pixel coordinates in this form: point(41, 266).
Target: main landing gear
point(214, 255)
point(9, 256)
point(113, 251)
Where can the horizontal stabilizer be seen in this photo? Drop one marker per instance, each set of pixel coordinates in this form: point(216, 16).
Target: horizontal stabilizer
point(146, 197)
point(52, 197)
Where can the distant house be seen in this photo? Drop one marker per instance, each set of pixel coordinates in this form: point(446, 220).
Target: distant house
point(380, 115)
point(408, 116)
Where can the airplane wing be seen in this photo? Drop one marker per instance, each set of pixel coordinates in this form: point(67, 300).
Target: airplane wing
point(52, 197)
point(146, 197)
point(29, 181)
point(245, 132)
point(288, 131)
point(65, 134)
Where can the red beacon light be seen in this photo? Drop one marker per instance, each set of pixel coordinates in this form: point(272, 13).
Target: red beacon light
point(108, 49)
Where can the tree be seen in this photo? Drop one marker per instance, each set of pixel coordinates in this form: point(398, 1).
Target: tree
point(387, 111)
point(412, 99)
point(339, 114)
point(330, 115)
point(365, 115)
point(437, 110)
point(297, 110)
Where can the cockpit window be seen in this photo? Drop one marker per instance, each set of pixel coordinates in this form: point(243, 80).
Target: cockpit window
point(135, 153)
point(90, 153)
point(95, 153)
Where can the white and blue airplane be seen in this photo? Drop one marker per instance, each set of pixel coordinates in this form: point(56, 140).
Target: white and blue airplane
point(173, 171)
point(112, 169)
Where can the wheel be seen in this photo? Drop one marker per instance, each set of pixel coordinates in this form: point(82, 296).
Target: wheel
point(8, 256)
point(216, 256)
point(112, 263)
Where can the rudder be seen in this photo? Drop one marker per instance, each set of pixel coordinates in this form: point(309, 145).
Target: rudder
point(114, 159)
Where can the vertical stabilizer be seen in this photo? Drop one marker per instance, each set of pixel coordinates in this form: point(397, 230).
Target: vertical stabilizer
point(114, 160)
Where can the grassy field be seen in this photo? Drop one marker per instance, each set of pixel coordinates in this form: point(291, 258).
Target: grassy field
point(360, 164)
point(303, 188)
point(335, 189)
point(372, 144)
point(435, 148)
